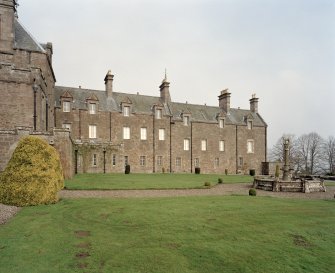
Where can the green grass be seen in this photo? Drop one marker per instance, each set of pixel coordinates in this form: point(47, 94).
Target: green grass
point(149, 181)
point(185, 234)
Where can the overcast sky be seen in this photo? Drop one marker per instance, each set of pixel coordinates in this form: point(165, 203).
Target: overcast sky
point(282, 50)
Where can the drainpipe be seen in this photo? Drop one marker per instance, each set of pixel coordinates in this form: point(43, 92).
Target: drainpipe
point(35, 88)
point(76, 161)
point(110, 126)
point(104, 161)
point(170, 144)
point(79, 127)
point(266, 142)
point(236, 151)
point(153, 144)
point(46, 114)
point(191, 146)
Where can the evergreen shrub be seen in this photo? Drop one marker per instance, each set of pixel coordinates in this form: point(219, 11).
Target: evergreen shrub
point(197, 170)
point(33, 175)
point(207, 184)
point(220, 181)
point(252, 192)
point(252, 172)
point(127, 169)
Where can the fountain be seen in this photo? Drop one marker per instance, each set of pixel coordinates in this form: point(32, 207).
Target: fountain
point(303, 183)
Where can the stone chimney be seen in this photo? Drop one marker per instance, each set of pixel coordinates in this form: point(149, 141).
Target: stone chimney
point(224, 100)
point(7, 15)
point(165, 92)
point(109, 83)
point(49, 50)
point(254, 104)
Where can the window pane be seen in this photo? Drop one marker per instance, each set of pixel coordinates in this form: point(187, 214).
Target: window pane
point(186, 144)
point(221, 145)
point(161, 134)
point(203, 145)
point(158, 113)
point(126, 111)
point(126, 133)
point(92, 131)
point(92, 108)
point(221, 123)
point(143, 133)
point(66, 106)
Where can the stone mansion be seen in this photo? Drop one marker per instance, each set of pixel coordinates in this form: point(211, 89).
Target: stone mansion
point(101, 131)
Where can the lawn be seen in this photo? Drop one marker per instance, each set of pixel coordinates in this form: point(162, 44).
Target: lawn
point(149, 181)
point(185, 234)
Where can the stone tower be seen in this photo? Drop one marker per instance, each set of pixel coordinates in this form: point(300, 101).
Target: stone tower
point(7, 15)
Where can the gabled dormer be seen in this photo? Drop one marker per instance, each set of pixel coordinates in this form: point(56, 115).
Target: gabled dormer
point(126, 106)
point(249, 120)
point(186, 117)
point(158, 110)
point(92, 104)
point(221, 118)
point(66, 100)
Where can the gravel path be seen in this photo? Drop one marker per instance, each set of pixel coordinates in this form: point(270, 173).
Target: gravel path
point(6, 212)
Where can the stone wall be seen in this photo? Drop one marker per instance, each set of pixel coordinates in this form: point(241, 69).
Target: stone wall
point(60, 139)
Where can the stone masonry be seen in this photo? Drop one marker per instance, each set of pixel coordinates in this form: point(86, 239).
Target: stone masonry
point(98, 131)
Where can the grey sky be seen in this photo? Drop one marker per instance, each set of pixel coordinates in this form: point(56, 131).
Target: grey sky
point(282, 50)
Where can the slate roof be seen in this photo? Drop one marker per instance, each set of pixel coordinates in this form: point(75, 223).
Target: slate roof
point(145, 104)
point(24, 40)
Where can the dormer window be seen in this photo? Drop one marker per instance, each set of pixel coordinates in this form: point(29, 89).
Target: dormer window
point(92, 108)
point(126, 111)
point(221, 123)
point(66, 106)
point(159, 113)
point(186, 120)
point(249, 124)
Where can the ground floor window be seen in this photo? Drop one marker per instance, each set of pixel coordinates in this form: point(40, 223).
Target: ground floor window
point(126, 160)
point(216, 162)
point(159, 160)
point(142, 160)
point(94, 160)
point(178, 162)
point(196, 162)
point(113, 159)
point(240, 161)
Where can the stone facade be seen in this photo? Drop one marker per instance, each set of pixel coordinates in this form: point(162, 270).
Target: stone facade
point(99, 131)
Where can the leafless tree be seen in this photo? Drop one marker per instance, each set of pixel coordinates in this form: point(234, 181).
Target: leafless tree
point(329, 154)
point(309, 148)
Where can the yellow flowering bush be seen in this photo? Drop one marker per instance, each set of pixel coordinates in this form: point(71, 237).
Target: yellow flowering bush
point(33, 175)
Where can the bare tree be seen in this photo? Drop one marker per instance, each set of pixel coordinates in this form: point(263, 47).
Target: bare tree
point(309, 149)
point(329, 154)
point(277, 151)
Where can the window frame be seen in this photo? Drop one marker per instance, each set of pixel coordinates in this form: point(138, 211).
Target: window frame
point(126, 132)
point(66, 106)
point(221, 123)
point(159, 160)
point(126, 111)
point(250, 124)
point(114, 160)
point(94, 160)
point(204, 145)
point(143, 160)
point(67, 126)
point(92, 108)
point(186, 120)
point(251, 146)
point(159, 113)
point(178, 161)
point(221, 145)
point(143, 133)
point(186, 144)
point(161, 134)
point(92, 131)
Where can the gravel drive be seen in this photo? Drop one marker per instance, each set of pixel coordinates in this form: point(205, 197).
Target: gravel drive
point(221, 189)
point(6, 212)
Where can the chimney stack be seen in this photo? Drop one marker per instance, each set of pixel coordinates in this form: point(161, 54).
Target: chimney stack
point(109, 83)
point(165, 90)
point(254, 104)
point(224, 100)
